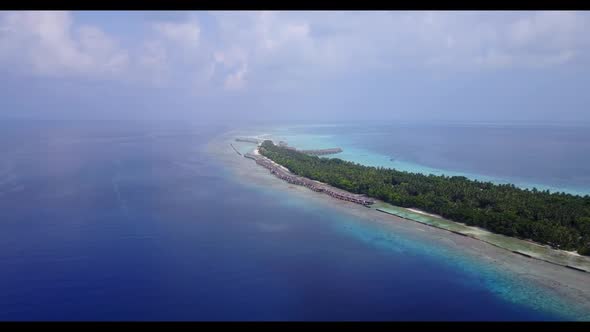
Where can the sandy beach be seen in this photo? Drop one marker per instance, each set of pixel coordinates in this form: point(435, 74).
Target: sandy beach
point(424, 213)
point(570, 284)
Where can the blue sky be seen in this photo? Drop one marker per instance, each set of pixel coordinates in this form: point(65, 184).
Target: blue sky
point(296, 66)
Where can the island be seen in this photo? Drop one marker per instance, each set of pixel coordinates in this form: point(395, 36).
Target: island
point(559, 220)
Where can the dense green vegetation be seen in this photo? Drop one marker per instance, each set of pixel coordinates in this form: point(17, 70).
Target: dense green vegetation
point(557, 219)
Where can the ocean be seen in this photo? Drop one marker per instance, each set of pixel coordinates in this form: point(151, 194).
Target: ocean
point(138, 221)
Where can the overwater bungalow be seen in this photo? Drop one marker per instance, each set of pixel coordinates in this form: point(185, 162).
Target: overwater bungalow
point(321, 152)
point(313, 185)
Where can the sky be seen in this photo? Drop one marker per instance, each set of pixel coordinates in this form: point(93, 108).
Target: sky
point(296, 66)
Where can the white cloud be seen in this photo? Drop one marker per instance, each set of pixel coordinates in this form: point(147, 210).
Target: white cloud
point(102, 49)
point(184, 33)
point(48, 43)
point(551, 30)
point(153, 63)
point(346, 41)
point(237, 79)
point(258, 40)
point(272, 33)
point(171, 48)
point(286, 49)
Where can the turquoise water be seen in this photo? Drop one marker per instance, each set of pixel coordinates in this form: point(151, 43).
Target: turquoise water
point(474, 274)
point(546, 158)
point(454, 268)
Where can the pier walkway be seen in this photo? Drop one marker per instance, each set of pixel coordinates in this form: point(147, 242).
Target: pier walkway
point(248, 140)
point(233, 147)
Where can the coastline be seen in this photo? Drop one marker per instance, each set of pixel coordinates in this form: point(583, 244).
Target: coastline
point(566, 283)
point(519, 246)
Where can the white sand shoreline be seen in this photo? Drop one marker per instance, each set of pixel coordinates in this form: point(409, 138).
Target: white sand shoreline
point(424, 213)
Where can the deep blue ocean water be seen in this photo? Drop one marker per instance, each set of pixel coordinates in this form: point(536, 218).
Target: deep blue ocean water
point(130, 221)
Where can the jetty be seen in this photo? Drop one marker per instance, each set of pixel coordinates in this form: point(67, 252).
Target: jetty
point(251, 156)
point(233, 147)
point(248, 140)
point(285, 175)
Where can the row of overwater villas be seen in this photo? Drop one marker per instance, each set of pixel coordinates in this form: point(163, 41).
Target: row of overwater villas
point(315, 186)
point(321, 152)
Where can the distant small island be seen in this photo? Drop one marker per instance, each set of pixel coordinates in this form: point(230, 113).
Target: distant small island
point(559, 220)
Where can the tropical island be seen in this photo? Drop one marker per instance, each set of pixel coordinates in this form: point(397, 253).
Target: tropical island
point(559, 220)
